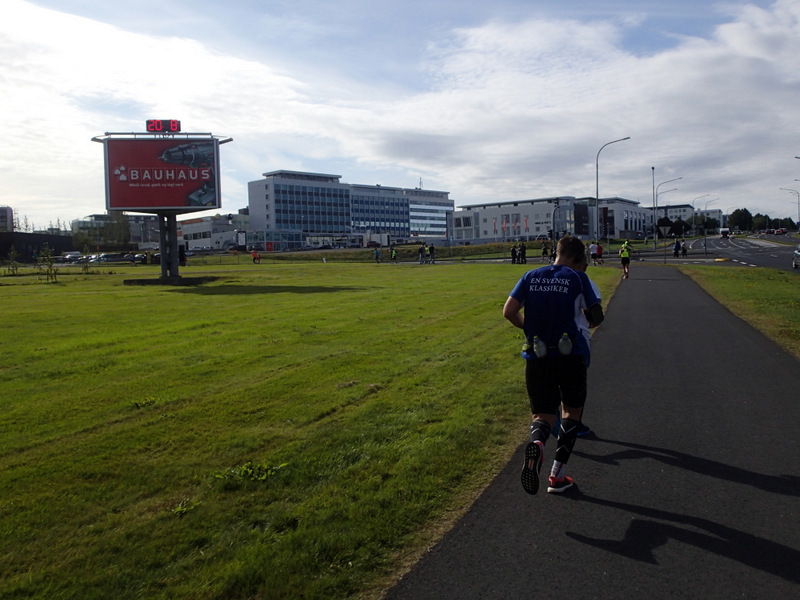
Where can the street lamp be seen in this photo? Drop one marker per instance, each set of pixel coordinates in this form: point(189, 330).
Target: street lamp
point(705, 229)
point(655, 207)
point(796, 193)
point(597, 185)
point(693, 201)
point(729, 213)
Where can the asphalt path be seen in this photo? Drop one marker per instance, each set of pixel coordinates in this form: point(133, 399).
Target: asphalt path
point(691, 488)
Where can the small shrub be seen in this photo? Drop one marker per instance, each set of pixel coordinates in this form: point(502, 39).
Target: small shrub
point(13, 265)
point(183, 507)
point(45, 262)
point(250, 471)
point(143, 403)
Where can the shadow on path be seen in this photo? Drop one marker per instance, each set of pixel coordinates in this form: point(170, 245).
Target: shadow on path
point(787, 485)
point(645, 534)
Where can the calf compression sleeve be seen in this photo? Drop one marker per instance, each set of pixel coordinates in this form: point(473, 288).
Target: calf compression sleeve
point(566, 439)
point(540, 431)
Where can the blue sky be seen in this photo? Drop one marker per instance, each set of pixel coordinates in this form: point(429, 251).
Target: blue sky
point(491, 101)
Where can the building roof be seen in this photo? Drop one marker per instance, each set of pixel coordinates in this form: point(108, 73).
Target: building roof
point(304, 176)
point(531, 201)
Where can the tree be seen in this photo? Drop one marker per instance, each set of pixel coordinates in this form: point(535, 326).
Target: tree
point(741, 219)
point(760, 222)
point(81, 239)
point(117, 231)
point(663, 222)
point(680, 227)
point(696, 222)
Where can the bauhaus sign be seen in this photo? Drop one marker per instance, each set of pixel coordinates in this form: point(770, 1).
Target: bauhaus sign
point(153, 174)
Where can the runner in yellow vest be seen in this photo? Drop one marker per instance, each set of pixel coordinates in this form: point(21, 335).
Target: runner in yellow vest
point(625, 257)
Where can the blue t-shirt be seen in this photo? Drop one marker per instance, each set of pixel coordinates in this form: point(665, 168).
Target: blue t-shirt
point(553, 298)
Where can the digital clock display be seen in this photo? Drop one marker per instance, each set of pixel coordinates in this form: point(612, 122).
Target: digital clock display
point(163, 126)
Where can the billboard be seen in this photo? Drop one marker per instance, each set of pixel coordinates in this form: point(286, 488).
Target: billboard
point(155, 174)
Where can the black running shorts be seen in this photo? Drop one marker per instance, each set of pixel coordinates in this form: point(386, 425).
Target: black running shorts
point(551, 379)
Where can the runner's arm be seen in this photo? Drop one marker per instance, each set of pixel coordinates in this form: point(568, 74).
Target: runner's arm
point(512, 312)
point(594, 314)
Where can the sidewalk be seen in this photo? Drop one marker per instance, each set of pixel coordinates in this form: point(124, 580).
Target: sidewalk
point(690, 490)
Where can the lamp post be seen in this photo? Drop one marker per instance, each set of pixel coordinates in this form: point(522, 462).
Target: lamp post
point(729, 214)
point(796, 193)
point(693, 201)
point(655, 207)
point(597, 185)
point(655, 237)
point(705, 229)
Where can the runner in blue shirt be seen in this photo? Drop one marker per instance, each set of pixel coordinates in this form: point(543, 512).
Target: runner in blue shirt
point(555, 306)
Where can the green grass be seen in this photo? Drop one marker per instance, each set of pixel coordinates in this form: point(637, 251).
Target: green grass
point(289, 430)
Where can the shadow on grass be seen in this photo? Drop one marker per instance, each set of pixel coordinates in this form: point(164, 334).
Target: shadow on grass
point(250, 290)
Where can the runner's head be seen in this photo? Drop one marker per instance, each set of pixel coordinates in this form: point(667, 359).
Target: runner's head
point(571, 250)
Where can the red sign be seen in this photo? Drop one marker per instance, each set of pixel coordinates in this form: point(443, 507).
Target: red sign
point(152, 174)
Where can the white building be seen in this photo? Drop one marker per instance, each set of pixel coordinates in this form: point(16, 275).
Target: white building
point(684, 212)
point(541, 218)
point(220, 232)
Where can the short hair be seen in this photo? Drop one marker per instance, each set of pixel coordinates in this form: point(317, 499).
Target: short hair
point(572, 248)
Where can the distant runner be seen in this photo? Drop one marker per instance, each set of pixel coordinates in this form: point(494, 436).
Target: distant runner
point(625, 259)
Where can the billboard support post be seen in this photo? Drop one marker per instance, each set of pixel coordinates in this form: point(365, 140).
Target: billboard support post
point(163, 245)
point(170, 251)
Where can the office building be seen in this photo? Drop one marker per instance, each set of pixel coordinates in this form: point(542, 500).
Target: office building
point(292, 209)
point(6, 219)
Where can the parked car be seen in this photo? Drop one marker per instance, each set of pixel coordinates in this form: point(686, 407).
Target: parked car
point(69, 257)
point(136, 258)
point(796, 257)
point(110, 257)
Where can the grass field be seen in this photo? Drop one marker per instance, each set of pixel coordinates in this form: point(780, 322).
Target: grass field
point(289, 430)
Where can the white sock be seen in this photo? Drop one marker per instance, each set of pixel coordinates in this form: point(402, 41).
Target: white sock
point(558, 470)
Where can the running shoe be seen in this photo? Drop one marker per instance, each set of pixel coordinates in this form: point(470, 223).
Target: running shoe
point(531, 467)
point(583, 430)
point(559, 485)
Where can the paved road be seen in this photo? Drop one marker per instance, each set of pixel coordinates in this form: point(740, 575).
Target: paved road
point(754, 251)
point(691, 490)
point(739, 251)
